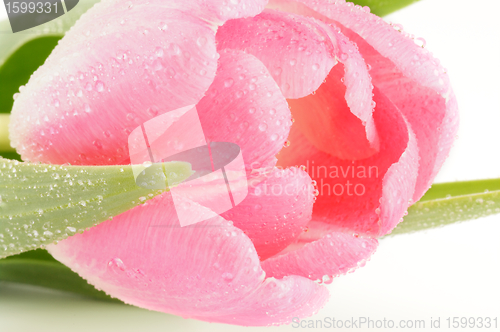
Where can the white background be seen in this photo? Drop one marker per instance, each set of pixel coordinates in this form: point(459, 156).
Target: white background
point(452, 271)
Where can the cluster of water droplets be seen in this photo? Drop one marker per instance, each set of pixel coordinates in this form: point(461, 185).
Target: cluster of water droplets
point(42, 204)
point(440, 212)
point(118, 269)
point(247, 103)
point(57, 103)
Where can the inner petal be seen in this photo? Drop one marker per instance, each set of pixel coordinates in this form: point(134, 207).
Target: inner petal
point(306, 52)
point(327, 122)
point(309, 49)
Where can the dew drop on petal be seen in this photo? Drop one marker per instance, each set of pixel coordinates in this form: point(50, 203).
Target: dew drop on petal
point(228, 82)
point(116, 264)
point(99, 86)
point(227, 276)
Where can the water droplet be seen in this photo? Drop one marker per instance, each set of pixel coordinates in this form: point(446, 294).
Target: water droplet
point(422, 41)
point(157, 65)
point(163, 26)
point(116, 264)
point(315, 66)
point(228, 82)
point(201, 41)
point(97, 144)
point(70, 230)
point(99, 86)
point(262, 126)
point(152, 111)
point(159, 52)
point(327, 280)
point(286, 144)
point(227, 276)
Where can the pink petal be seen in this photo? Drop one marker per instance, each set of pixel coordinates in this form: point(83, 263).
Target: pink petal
point(433, 118)
point(122, 64)
point(328, 256)
point(277, 302)
point(309, 49)
point(367, 196)
point(276, 210)
point(245, 106)
point(306, 53)
point(208, 271)
point(405, 72)
point(327, 122)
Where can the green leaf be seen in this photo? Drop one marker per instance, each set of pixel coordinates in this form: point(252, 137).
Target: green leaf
point(4, 134)
point(41, 204)
point(39, 268)
point(18, 68)
point(448, 203)
point(10, 42)
point(384, 7)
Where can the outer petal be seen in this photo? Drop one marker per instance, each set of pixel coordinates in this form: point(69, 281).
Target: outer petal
point(367, 196)
point(405, 72)
point(331, 255)
point(120, 65)
point(275, 211)
point(245, 106)
point(311, 49)
point(208, 271)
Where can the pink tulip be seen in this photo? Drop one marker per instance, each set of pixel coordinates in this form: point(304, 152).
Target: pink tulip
point(375, 119)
